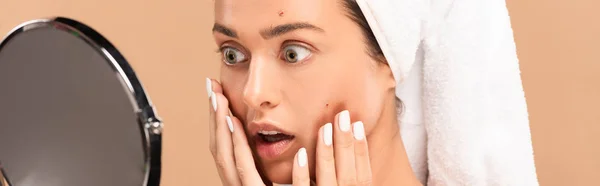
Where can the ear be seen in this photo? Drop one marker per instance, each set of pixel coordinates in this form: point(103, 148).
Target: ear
point(385, 74)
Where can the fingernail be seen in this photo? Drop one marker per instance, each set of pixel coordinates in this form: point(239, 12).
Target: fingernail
point(213, 99)
point(229, 123)
point(208, 87)
point(344, 121)
point(327, 134)
point(359, 130)
point(302, 157)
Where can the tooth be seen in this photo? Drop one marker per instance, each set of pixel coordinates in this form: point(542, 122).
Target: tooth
point(268, 132)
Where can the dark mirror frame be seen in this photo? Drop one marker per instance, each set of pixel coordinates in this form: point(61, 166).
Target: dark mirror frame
point(149, 123)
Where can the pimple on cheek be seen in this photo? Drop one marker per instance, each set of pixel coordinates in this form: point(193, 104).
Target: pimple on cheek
point(326, 115)
point(330, 111)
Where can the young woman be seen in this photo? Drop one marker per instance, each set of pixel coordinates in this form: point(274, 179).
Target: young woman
point(305, 96)
point(297, 79)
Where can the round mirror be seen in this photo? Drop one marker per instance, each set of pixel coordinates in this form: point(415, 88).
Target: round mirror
point(72, 111)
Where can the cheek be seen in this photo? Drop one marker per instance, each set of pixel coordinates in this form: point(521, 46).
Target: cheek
point(233, 87)
point(359, 100)
point(360, 93)
point(332, 95)
point(369, 104)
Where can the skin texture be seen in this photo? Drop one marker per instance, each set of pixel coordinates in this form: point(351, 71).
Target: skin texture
point(300, 97)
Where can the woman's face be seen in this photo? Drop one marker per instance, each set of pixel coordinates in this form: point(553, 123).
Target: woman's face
point(288, 67)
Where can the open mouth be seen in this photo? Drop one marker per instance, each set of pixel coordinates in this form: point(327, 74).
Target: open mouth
point(272, 144)
point(273, 136)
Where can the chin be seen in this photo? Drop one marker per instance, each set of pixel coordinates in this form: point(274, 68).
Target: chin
point(280, 172)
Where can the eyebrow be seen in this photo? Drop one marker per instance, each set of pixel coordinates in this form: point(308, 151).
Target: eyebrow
point(286, 28)
point(224, 30)
point(271, 32)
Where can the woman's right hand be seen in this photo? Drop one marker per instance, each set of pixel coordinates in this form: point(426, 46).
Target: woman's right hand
point(228, 142)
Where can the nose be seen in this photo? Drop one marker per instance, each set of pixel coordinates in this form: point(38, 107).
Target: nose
point(262, 90)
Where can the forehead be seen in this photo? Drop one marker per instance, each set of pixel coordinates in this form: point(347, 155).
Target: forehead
point(264, 13)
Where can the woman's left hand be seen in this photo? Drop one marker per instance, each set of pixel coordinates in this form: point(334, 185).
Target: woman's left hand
point(342, 156)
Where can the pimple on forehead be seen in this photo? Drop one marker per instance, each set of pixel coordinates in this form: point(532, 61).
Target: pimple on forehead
point(280, 13)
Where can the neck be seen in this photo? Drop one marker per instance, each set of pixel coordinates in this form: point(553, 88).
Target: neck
point(389, 161)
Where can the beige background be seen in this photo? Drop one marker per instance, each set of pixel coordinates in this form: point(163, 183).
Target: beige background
point(169, 45)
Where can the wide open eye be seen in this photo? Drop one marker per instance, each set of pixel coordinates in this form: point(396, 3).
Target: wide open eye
point(232, 56)
point(295, 53)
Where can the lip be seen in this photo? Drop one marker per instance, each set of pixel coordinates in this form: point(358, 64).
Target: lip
point(265, 125)
point(273, 151)
point(266, 150)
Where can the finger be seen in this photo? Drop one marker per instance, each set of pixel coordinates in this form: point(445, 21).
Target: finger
point(325, 163)
point(209, 89)
point(212, 122)
point(300, 173)
point(343, 148)
point(216, 87)
point(361, 153)
point(243, 156)
point(224, 147)
point(212, 103)
point(211, 119)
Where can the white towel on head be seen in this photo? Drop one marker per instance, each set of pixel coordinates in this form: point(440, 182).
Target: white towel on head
point(465, 120)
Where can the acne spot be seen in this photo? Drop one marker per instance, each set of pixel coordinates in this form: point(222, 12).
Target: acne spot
point(327, 105)
point(281, 13)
